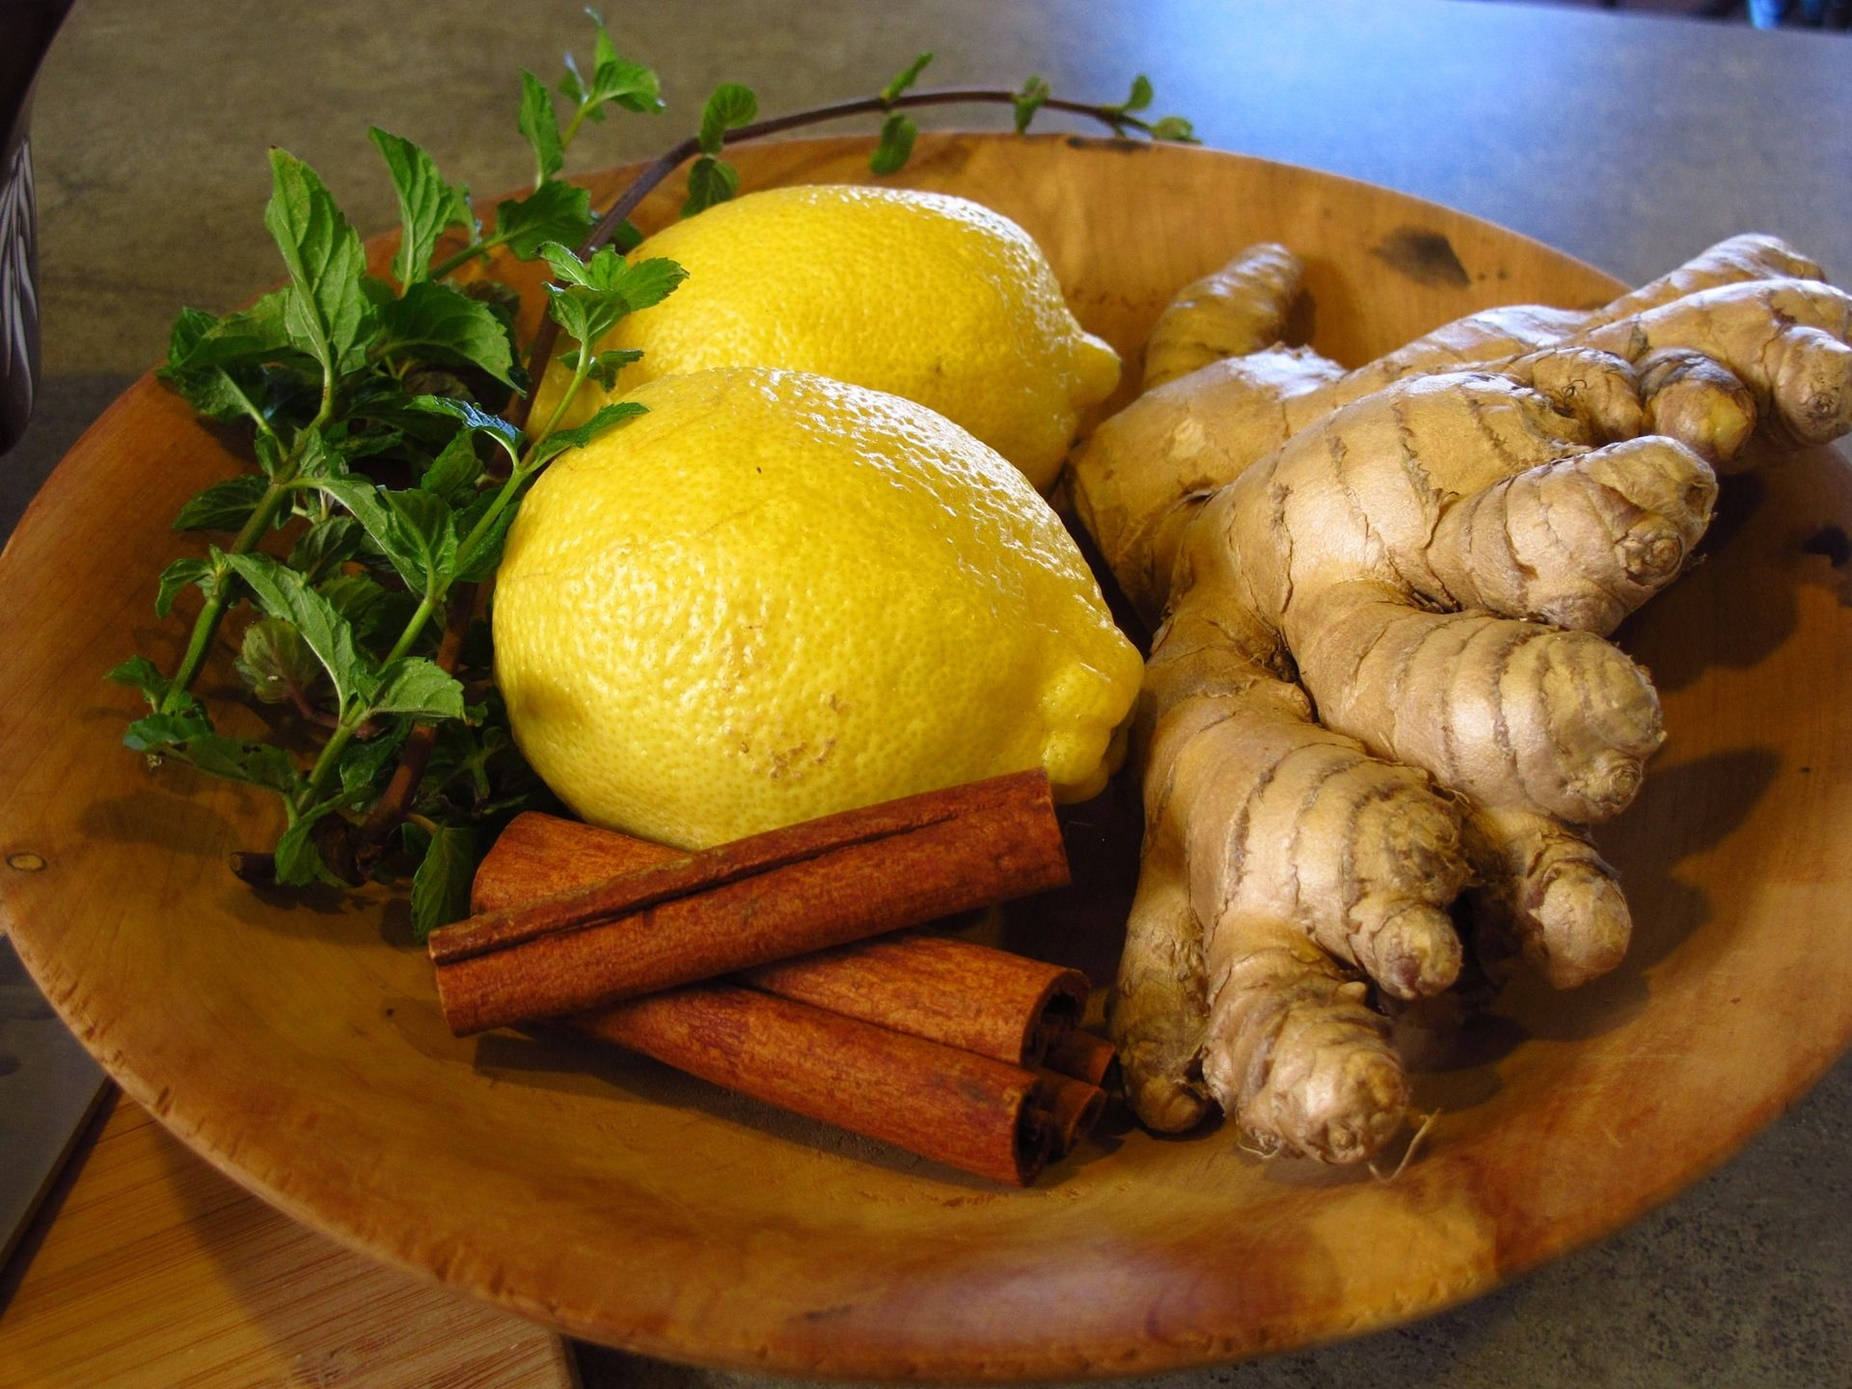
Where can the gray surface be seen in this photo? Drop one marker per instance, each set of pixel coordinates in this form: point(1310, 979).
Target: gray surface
point(1628, 140)
point(49, 1087)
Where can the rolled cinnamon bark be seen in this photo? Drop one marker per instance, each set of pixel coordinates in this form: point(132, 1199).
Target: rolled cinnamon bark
point(791, 892)
point(1070, 1109)
point(968, 1111)
point(1080, 1054)
point(947, 990)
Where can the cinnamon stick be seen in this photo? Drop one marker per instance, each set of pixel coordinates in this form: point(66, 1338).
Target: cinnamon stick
point(1080, 1054)
point(942, 988)
point(790, 892)
point(1071, 1107)
point(968, 1111)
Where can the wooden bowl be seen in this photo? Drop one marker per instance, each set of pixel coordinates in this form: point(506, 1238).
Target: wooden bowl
point(294, 1040)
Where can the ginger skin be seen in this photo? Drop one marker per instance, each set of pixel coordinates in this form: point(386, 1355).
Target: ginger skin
point(1380, 680)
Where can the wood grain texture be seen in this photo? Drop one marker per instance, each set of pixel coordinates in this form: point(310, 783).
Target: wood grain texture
point(160, 1271)
point(296, 1042)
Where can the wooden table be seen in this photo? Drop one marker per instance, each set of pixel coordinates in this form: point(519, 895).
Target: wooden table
point(1629, 140)
point(149, 1267)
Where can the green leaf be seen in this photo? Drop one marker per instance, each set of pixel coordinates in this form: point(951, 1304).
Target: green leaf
point(281, 592)
point(639, 284)
point(419, 689)
point(710, 181)
point(895, 146)
point(453, 473)
point(554, 211)
point(485, 556)
point(475, 419)
point(1141, 94)
point(225, 505)
point(905, 78)
point(414, 529)
point(251, 336)
point(364, 759)
point(360, 598)
point(140, 673)
point(434, 322)
point(428, 206)
point(730, 107)
point(326, 311)
point(162, 732)
point(178, 575)
point(1176, 129)
point(441, 884)
point(323, 548)
point(298, 857)
point(619, 81)
point(217, 365)
point(256, 764)
point(539, 123)
point(605, 366)
point(1028, 101)
point(275, 662)
point(607, 417)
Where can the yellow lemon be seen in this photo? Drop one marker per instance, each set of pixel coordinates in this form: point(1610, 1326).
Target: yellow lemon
point(928, 296)
point(775, 596)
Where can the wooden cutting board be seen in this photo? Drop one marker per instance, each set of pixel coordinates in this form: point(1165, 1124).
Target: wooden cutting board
point(150, 1267)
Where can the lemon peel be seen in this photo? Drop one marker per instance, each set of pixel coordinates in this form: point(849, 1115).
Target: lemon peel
point(926, 295)
point(774, 596)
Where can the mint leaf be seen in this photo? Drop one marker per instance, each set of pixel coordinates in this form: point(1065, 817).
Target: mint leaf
point(365, 758)
point(326, 311)
point(730, 107)
point(428, 206)
point(217, 365)
point(419, 689)
point(433, 322)
point(224, 506)
point(485, 556)
point(414, 529)
point(1176, 129)
point(362, 600)
point(256, 764)
point(140, 673)
point(895, 145)
point(608, 417)
point(275, 662)
point(323, 548)
point(281, 592)
point(710, 181)
point(619, 81)
point(905, 78)
point(178, 575)
point(453, 473)
point(298, 858)
point(441, 884)
point(475, 419)
point(554, 211)
point(605, 366)
point(163, 732)
point(1028, 101)
point(539, 123)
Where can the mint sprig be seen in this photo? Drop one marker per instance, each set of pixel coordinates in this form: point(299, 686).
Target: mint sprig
point(390, 453)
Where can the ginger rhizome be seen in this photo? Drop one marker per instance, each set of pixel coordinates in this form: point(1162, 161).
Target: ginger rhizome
point(1380, 701)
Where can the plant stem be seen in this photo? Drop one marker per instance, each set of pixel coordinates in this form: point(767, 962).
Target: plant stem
point(206, 625)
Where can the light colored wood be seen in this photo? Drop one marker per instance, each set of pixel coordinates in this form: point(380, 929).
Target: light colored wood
point(297, 1043)
point(157, 1270)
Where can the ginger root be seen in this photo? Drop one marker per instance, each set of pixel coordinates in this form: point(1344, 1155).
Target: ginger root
point(1380, 682)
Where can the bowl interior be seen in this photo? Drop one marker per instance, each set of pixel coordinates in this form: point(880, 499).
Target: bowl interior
point(295, 1040)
